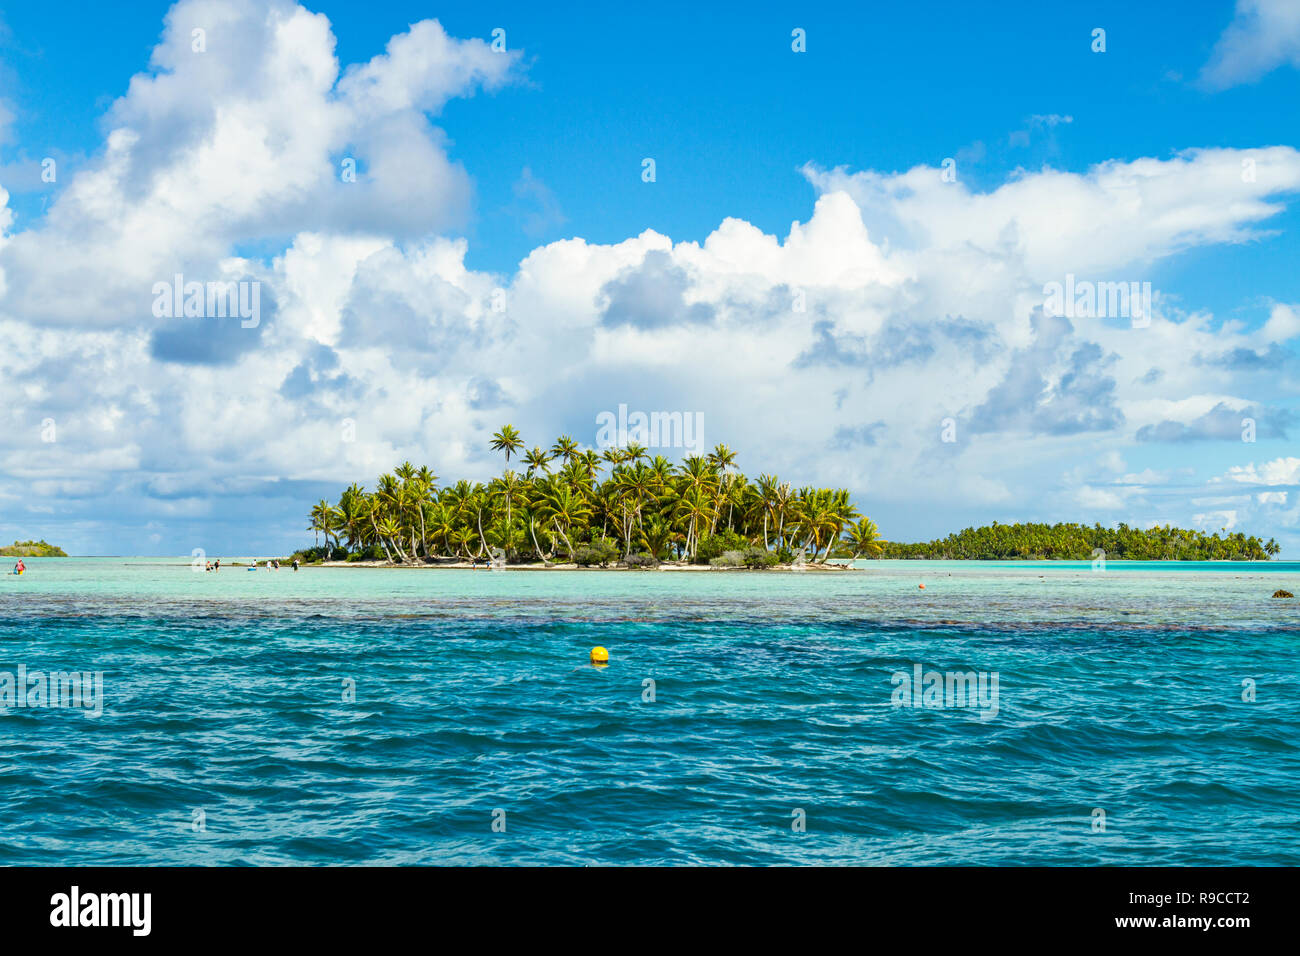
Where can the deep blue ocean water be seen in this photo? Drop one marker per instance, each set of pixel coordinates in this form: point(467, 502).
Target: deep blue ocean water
point(225, 736)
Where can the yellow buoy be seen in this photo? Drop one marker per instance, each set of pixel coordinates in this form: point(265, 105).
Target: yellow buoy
point(599, 655)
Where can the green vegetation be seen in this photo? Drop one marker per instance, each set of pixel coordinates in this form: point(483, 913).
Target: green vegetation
point(559, 508)
point(647, 510)
point(32, 549)
point(1076, 542)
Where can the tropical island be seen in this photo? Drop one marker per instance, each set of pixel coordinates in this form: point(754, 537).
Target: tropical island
point(647, 512)
point(31, 549)
point(644, 513)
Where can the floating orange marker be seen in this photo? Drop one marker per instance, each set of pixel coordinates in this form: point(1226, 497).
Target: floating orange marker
point(921, 586)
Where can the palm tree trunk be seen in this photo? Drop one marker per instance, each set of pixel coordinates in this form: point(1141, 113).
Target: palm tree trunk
point(532, 532)
point(567, 543)
point(481, 536)
point(380, 539)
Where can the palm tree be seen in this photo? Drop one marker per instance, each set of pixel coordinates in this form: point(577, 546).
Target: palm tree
point(575, 474)
point(508, 488)
point(590, 463)
point(426, 483)
point(722, 457)
point(563, 508)
point(696, 509)
point(320, 521)
point(374, 508)
point(784, 508)
point(532, 518)
point(477, 502)
point(698, 473)
point(390, 532)
point(442, 524)
point(410, 504)
point(839, 512)
point(637, 484)
point(631, 488)
point(462, 537)
point(537, 459)
point(564, 448)
point(507, 440)
point(864, 539)
point(656, 534)
point(353, 513)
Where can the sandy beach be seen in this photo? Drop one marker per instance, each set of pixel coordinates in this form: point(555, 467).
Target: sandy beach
point(538, 566)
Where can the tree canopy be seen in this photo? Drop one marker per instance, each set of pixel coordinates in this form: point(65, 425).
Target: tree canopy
point(1078, 542)
point(576, 504)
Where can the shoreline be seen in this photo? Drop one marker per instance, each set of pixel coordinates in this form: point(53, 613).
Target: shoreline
point(570, 566)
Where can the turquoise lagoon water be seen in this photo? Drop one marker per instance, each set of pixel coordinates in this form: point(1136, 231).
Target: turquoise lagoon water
point(225, 737)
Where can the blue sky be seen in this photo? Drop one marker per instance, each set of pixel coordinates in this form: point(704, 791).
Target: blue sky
point(730, 114)
point(740, 127)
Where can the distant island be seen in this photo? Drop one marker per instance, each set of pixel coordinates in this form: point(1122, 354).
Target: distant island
point(31, 549)
point(702, 512)
point(1077, 542)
